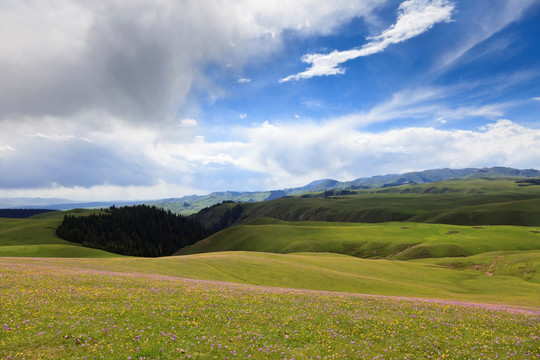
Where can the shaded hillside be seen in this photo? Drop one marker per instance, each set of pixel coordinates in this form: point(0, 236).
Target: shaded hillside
point(462, 202)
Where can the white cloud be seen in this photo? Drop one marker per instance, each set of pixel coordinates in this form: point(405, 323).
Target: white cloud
point(104, 192)
point(482, 23)
point(143, 164)
point(188, 122)
point(4, 149)
point(414, 18)
point(536, 98)
point(243, 80)
point(294, 154)
point(59, 137)
point(140, 60)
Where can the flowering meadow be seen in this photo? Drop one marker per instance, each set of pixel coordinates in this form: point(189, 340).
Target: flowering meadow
point(54, 312)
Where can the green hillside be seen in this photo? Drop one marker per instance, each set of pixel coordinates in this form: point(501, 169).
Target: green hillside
point(36, 237)
point(70, 309)
point(402, 241)
point(323, 271)
point(194, 203)
point(479, 201)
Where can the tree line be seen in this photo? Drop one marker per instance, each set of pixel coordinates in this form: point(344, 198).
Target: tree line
point(21, 213)
point(138, 230)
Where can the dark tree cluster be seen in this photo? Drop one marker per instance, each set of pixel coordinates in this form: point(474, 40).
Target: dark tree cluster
point(133, 230)
point(21, 213)
point(527, 182)
point(339, 192)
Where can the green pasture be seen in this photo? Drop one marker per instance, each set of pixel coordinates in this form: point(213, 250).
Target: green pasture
point(322, 271)
point(461, 202)
point(36, 237)
point(402, 241)
point(53, 310)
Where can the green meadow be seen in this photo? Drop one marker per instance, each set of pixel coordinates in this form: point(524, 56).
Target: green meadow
point(35, 237)
point(403, 241)
point(273, 289)
point(55, 310)
point(459, 202)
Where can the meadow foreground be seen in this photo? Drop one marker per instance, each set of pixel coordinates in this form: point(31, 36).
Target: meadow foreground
point(57, 312)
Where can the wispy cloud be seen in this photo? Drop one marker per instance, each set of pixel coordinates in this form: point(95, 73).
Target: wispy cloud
point(494, 18)
point(188, 122)
point(243, 80)
point(4, 149)
point(414, 18)
point(59, 137)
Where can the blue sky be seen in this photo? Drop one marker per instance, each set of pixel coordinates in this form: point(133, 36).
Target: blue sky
point(140, 99)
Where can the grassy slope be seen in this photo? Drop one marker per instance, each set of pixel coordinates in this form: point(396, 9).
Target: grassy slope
point(521, 264)
point(465, 202)
point(60, 312)
point(35, 237)
point(403, 241)
point(330, 272)
point(435, 277)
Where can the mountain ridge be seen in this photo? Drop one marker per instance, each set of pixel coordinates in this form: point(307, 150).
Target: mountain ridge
point(193, 203)
point(198, 202)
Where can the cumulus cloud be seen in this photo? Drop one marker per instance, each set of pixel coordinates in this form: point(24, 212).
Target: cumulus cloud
point(414, 18)
point(142, 164)
point(294, 154)
point(92, 93)
point(351, 153)
point(140, 59)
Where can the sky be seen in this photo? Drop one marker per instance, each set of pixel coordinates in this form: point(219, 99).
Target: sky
point(140, 99)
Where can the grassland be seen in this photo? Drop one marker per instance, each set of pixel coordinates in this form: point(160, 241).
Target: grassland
point(435, 291)
point(53, 310)
point(35, 237)
point(459, 202)
point(404, 241)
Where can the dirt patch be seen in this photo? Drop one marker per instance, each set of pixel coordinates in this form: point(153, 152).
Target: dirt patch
point(405, 227)
point(491, 268)
point(535, 231)
point(452, 232)
point(477, 227)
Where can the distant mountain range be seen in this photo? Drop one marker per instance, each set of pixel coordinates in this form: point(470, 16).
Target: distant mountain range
point(193, 203)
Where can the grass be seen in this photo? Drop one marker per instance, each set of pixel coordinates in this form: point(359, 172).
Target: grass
point(402, 241)
point(525, 265)
point(36, 237)
point(62, 301)
point(59, 312)
point(461, 202)
point(329, 272)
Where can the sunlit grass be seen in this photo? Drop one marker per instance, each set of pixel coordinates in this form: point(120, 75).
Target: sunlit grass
point(53, 312)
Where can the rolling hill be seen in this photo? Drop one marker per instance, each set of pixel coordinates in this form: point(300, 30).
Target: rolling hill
point(401, 259)
point(476, 201)
point(382, 240)
point(36, 237)
point(194, 203)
